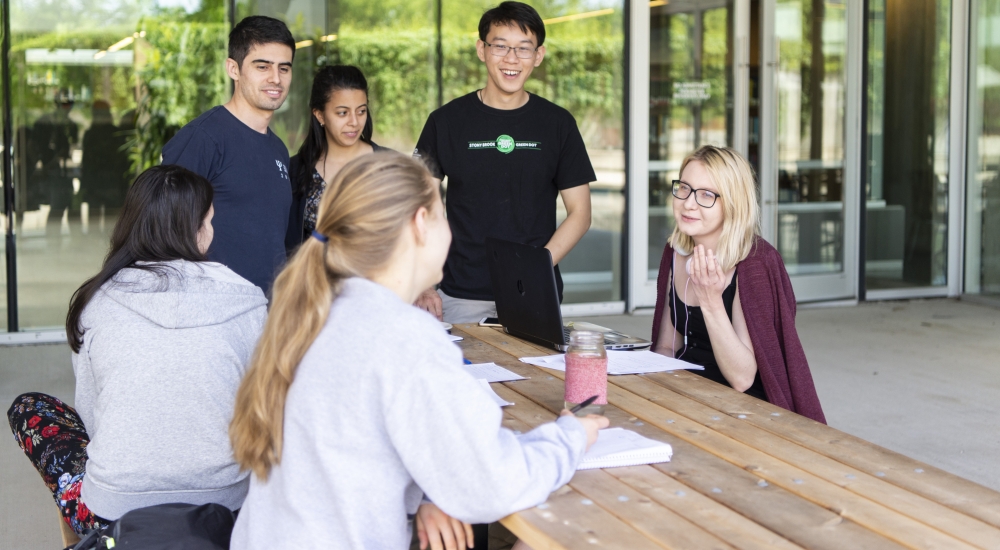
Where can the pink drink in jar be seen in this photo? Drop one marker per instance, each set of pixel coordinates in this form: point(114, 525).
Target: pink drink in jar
point(586, 372)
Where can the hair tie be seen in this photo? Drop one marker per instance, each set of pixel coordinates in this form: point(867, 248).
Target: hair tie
point(320, 237)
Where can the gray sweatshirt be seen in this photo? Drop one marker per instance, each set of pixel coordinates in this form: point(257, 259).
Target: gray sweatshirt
point(381, 413)
point(156, 380)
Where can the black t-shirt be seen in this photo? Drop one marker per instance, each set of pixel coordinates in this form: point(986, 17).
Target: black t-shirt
point(505, 169)
point(249, 173)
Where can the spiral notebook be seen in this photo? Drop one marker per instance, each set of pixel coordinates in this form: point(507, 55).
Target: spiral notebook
point(617, 447)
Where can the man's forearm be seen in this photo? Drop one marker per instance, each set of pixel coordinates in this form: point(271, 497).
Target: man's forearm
point(569, 232)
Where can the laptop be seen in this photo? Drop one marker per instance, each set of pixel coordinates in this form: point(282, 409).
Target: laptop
point(524, 287)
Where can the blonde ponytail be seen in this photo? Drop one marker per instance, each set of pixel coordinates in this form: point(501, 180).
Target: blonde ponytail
point(362, 214)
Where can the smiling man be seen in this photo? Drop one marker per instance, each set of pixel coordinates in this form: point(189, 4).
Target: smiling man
point(232, 147)
point(507, 154)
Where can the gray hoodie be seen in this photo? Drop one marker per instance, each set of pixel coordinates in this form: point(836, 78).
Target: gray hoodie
point(156, 379)
point(380, 414)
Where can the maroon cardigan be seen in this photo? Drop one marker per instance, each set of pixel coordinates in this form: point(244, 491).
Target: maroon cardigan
point(768, 304)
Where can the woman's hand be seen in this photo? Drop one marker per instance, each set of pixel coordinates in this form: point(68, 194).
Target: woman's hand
point(707, 277)
point(440, 530)
point(430, 301)
point(592, 423)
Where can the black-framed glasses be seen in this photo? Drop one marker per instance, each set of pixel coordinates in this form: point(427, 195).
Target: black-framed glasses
point(500, 50)
point(703, 197)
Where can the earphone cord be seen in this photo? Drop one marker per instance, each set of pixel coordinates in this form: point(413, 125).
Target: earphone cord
point(687, 313)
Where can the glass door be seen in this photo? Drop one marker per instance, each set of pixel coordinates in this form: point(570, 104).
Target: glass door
point(808, 174)
point(692, 83)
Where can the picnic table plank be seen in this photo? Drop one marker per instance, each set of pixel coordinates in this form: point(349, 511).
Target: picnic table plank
point(645, 515)
point(873, 515)
point(953, 491)
point(723, 521)
point(925, 510)
point(727, 485)
point(569, 520)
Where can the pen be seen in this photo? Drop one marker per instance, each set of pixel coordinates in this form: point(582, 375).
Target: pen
point(586, 402)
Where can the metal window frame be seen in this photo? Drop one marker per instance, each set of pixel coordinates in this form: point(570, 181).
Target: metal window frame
point(958, 152)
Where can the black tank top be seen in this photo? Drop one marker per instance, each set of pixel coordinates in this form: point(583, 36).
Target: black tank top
point(698, 349)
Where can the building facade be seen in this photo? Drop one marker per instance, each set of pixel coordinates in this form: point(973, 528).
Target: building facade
point(874, 125)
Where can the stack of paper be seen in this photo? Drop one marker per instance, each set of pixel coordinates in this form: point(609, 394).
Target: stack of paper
point(621, 362)
point(492, 372)
point(496, 398)
point(617, 447)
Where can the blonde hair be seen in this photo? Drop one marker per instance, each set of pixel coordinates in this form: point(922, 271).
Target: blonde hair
point(363, 212)
point(737, 186)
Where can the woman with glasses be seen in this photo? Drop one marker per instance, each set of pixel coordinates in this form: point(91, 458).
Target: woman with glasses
point(724, 299)
point(340, 130)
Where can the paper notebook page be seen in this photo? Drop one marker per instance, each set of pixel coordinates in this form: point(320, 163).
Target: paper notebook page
point(644, 361)
point(619, 447)
point(555, 362)
point(492, 372)
point(496, 398)
point(621, 362)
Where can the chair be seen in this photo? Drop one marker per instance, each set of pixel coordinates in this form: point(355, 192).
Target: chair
point(69, 537)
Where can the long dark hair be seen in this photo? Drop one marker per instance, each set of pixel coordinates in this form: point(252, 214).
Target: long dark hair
point(159, 222)
point(328, 80)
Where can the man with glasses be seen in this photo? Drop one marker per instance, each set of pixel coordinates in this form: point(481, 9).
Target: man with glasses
point(507, 154)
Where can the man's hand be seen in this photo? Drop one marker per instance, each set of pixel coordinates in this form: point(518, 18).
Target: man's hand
point(440, 530)
point(430, 301)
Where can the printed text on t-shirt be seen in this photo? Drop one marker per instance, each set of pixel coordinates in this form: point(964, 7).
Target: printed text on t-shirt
point(505, 144)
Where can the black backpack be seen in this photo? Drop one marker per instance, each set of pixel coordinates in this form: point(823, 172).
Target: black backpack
point(165, 527)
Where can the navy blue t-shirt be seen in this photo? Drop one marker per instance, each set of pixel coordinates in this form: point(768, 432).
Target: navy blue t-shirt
point(249, 173)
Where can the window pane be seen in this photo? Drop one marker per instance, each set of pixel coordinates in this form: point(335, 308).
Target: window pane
point(78, 76)
point(983, 248)
point(909, 59)
point(812, 44)
point(690, 99)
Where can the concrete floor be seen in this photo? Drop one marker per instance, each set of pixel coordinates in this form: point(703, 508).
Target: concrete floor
point(921, 378)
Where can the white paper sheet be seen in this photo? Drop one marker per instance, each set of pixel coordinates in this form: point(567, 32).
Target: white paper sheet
point(492, 372)
point(617, 447)
point(496, 398)
point(454, 338)
point(621, 362)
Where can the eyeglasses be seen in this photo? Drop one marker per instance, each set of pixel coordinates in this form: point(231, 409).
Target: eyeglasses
point(703, 197)
point(501, 50)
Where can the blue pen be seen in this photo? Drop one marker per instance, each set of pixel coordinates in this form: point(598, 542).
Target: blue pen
point(466, 361)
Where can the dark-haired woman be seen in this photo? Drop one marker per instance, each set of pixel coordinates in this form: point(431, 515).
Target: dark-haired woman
point(160, 339)
point(340, 130)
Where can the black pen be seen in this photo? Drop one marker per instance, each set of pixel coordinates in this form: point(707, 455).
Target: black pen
point(586, 402)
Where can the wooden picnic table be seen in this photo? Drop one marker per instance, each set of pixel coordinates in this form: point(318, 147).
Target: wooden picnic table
point(745, 474)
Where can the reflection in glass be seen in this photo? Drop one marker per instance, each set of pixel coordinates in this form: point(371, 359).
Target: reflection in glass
point(690, 99)
point(79, 76)
point(983, 210)
point(908, 98)
point(812, 50)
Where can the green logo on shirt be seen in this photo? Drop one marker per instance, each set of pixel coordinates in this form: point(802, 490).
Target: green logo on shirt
point(505, 144)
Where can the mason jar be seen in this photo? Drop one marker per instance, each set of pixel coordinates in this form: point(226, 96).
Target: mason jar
point(586, 372)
